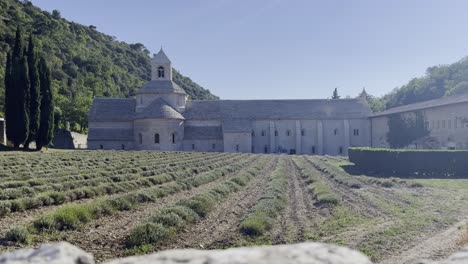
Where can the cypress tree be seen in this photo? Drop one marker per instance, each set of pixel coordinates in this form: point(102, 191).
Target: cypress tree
point(8, 110)
point(34, 99)
point(46, 125)
point(18, 94)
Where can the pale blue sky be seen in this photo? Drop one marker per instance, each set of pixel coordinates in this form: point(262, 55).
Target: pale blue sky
point(261, 49)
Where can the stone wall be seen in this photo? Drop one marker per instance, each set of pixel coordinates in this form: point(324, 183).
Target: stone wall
point(447, 124)
point(304, 253)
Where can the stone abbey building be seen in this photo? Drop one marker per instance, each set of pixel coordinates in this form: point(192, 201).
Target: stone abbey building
point(161, 118)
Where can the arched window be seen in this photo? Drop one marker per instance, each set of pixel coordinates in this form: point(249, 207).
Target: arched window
point(140, 138)
point(156, 138)
point(161, 72)
point(173, 138)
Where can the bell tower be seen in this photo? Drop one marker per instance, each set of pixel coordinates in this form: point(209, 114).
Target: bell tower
point(161, 67)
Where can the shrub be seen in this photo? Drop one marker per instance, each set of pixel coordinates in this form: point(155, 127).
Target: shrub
point(57, 197)
point(255, 225)
point(183, 212)
point(43, 223)
point(168, 220)
point(327, 198)
point(411, 162)
point(18, 234)
point(201, 205)
point(71, 217)
point(5, 208)
point(148, 233)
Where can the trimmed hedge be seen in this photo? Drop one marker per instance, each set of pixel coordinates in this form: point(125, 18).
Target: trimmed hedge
point(403, 162)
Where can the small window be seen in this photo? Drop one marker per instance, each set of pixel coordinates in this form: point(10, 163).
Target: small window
point(253, 133)
point(341, 150)
point(450, 124)
point(237, 147)
point(213, 146)
point(313, 149)
point(265, 149)
point(438, 124)
point(356, 132)
point(123, 146)
point(101, 146)
point(433, 124)
point(193, 146)
point(156, 138)
point(140, 138)
point(263, 133)
point(173, 138)
point(253, 149)
point(335, 131)
point(455, 123)
point(161, 72)
point(276, 133)
point(443, 123)
point(302, 132)
point(288, 133)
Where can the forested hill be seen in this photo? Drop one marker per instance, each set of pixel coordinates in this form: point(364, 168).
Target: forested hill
point(84, 62)
point(439, 81)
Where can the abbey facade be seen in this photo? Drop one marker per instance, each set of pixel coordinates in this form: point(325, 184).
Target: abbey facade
point(161, 118)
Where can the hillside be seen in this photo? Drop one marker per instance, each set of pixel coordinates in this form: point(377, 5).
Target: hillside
point(439, 81)
point(85, 63)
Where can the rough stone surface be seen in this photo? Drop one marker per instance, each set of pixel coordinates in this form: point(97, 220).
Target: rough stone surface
point(305, 253)
point(60, 253)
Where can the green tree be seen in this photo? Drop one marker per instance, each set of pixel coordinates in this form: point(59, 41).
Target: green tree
point(18, 93)
point(46, 126)
point(335, 94)
point(405, 129)
point(34, 99)
point(8, 108)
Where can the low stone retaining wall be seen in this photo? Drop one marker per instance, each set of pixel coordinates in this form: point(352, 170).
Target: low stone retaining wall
point(305, 253)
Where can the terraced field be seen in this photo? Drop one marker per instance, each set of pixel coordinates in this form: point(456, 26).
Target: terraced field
point(114, 203)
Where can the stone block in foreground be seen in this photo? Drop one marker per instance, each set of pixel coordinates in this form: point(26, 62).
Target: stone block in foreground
point(305, 253)
point(59, 253)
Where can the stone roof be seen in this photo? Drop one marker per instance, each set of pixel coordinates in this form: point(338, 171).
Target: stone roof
point(161, 86)
point(112, 109)
point(161, 57)
point(424, 105)
point(110, 134)
point(237, 126)
point(278, 109)
point(203, 133)
point(159, 109)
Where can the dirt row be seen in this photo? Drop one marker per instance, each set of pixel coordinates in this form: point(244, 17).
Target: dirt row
point(105, 237)
point(220, 228)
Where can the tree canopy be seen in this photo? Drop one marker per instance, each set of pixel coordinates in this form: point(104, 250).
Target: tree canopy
point(84, 62)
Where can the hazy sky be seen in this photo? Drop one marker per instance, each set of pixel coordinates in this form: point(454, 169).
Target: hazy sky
point(254, 49)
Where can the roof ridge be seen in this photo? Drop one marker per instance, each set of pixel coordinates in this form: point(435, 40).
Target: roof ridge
point(251, 100)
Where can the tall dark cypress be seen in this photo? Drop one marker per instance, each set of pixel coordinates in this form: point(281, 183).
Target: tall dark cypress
point(18, 123)
point(8, 110)
point(34, 99)
point(46, 125)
